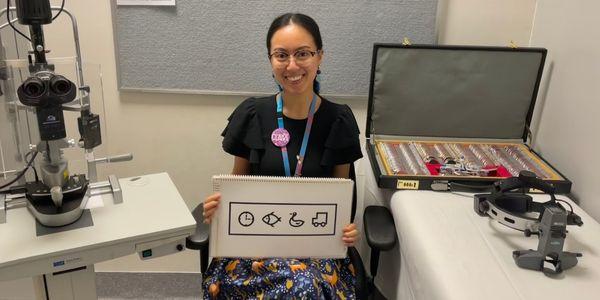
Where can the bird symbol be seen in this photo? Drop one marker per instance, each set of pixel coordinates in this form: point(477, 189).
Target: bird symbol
point(295, 223)
point(271, 219)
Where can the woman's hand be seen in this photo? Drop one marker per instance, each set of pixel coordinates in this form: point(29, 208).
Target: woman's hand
point(350, 235)
point(211, 203)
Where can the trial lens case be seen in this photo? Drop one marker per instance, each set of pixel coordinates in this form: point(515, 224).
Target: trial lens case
point(443, 115)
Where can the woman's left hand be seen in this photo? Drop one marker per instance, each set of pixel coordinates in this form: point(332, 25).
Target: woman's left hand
point(350, 235)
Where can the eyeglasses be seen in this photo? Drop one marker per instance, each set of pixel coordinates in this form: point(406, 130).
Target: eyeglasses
point(300, 56)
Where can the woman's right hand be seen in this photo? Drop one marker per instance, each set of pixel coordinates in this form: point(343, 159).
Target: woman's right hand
point(211, 203)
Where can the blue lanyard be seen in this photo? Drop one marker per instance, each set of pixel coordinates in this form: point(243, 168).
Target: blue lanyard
point(309, 121)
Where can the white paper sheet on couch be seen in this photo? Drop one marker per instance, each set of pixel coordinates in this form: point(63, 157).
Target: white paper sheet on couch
point(449, 252)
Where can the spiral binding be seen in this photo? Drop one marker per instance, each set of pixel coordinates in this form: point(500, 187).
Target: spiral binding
point(274, 179)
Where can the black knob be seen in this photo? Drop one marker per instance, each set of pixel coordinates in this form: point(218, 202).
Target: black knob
point(32, 12)
point(484, 206)
point(180, 247)
point(577, 220)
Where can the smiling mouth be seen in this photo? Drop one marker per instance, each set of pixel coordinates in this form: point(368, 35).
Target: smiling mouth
point(294, 78)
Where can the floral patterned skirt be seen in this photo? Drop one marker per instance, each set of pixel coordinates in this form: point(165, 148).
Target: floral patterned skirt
point(277, 278)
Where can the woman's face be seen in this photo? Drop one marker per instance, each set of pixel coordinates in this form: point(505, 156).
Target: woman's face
point(294, 59)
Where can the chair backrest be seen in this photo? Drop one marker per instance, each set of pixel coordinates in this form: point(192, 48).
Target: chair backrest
point(353, 177)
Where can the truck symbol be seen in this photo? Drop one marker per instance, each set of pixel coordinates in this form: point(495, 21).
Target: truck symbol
point(320, 219)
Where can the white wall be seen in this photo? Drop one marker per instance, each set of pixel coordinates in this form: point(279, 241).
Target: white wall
point(567, 124)
point(180, 134)
point(485, 22)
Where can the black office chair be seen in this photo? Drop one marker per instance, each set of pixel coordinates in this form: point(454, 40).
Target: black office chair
point(379, 230)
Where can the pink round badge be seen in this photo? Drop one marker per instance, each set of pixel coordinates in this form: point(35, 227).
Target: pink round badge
point(280, 137)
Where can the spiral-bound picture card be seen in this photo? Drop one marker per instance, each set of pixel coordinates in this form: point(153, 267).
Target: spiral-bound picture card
point(261, 216)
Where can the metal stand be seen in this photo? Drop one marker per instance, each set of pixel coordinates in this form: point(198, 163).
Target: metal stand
point(105, 187)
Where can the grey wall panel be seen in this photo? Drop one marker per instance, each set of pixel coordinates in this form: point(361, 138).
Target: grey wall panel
point(220, 45)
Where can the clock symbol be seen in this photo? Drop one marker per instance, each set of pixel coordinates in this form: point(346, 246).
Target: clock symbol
point(246, 219)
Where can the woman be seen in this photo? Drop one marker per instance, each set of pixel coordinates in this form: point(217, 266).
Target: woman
point(321, 138)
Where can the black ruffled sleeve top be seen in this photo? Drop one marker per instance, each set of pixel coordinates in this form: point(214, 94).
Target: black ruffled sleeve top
point(333, 138)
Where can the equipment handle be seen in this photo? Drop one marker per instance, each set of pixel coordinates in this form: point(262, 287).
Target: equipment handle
point(116, 158)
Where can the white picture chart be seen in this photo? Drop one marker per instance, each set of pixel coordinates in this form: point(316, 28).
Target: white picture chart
point(262, 216)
